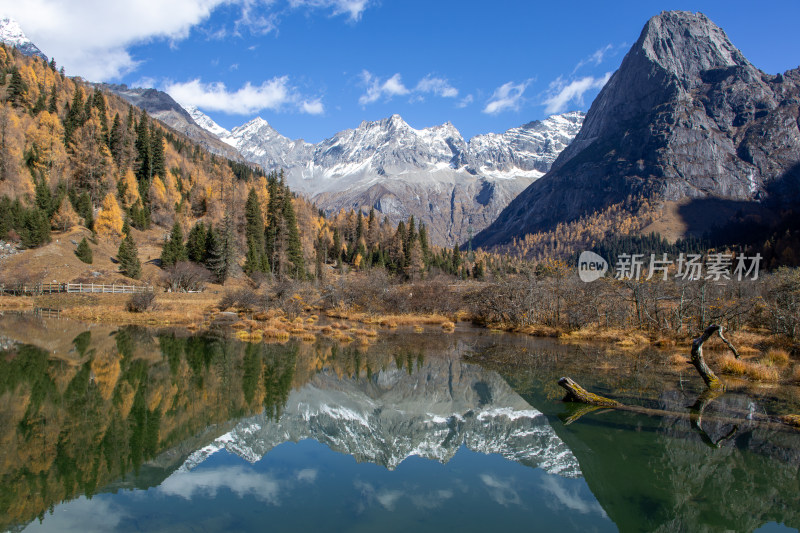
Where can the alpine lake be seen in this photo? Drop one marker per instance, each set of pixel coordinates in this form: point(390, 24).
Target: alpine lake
point(137, 429)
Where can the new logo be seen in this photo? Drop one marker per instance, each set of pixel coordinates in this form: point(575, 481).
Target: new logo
point(591, 266)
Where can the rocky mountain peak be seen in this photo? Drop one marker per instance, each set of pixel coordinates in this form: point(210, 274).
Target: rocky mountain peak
point(11, 33)
point(686, 117)
point(686, 44)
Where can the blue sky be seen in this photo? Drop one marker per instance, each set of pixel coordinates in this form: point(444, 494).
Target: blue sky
point(314, 67)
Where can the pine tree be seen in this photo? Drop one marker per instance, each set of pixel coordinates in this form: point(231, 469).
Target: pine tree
point(83, 252)
point(157, 153)
point(455, 263)
point(215, 255)
point(196, 243)
point(17, 89)
point(53, 105)
point(128, 257)
point(256, 258)
point(294, 248)
point(143, 147)
point(74, 117)
point(173, 250)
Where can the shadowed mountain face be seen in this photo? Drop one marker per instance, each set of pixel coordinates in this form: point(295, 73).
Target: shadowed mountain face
point(431, 413)
point(685, 116)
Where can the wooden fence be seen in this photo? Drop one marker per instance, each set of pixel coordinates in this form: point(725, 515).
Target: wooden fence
point(55, 288)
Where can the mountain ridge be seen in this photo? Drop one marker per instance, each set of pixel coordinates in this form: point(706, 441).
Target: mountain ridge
point(685, 116)
point(433, 174)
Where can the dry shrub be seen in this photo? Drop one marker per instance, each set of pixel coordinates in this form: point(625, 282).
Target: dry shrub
point(678, 359)
point(795, 374)
point(242, 299)
point(448, 326)
point(185, 276)
point(776, 357)
point(140, 302)
point(326, 330)
point(540, 331)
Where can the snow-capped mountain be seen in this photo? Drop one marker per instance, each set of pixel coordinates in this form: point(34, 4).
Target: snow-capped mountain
point(206, 122)
point(434, 174)
point(384, 420)
point(11, 34)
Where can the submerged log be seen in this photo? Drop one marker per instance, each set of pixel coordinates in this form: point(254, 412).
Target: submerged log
point(576, 393)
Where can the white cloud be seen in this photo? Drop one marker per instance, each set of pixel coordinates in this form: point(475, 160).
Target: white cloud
point(570, 498)
point(501, 491)
point(561, 92)
point(378, 88)
point(207, 482)
point(438, 86)
point(82, 514)
point(308, 475)
point(595, 59)
point(352, 8)
point(89, 37)
point(275, 95)
point(506, 97)
point(312, 107)
point(464, 102)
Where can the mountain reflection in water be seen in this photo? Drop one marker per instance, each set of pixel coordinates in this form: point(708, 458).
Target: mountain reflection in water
point(136, 429)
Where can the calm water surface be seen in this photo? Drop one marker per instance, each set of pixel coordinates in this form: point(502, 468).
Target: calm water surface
point(131, 429)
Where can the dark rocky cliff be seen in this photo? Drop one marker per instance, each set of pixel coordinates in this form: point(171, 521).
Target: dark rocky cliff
point(685, 116)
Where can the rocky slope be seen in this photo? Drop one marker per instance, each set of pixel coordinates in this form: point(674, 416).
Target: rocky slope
point(434, 174)
point(685, 116)
point(11, 34)
point(394, 415)
point(161, 106)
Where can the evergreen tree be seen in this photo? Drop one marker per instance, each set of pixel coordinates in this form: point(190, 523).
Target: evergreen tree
point(143, 154)
point(455, 262)
point(256, 258)
point(273, 216)
point(53, 105)
point(74, 117)
point(196, 243)
point(158, 163)
point(128, 257)
point(215, 255)
point(83, 252)
point(17, 89)
point(173, 250)
point(294, 248)
point(116, 140)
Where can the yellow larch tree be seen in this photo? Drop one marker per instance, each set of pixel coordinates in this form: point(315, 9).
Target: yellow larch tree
point(109, 221)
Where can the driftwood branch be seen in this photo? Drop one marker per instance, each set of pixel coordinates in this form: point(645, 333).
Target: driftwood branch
point(728, 343)
point(710, 379)
point(594, 402)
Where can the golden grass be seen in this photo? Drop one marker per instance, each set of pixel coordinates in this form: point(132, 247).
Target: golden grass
point(418, 329)
point(16, 302)
point(274, 333)
point(753, 370)
point(540, 331)
point(448, 326)
point(622, 338)
point(678, 360)
point(776, 357)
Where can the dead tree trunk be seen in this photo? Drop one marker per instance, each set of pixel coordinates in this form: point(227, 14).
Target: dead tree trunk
point(710, 379)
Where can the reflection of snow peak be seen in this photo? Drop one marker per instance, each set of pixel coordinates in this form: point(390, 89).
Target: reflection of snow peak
point(396, 415)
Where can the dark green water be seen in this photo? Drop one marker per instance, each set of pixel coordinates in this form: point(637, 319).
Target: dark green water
point(143, 430)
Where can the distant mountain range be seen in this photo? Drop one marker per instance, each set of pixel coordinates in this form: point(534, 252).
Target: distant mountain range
point(433, 174)
point(685, 119)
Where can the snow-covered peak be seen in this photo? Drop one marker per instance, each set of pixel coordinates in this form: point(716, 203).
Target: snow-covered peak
point(11, 33)
point(207, 123)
